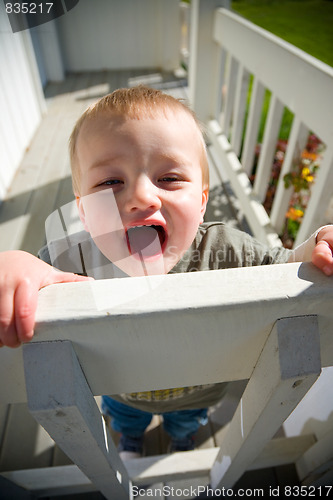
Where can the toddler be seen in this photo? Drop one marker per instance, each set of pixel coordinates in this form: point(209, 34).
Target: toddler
point(140, 179)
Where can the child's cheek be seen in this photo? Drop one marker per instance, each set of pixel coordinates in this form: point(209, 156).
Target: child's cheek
point(101, 213)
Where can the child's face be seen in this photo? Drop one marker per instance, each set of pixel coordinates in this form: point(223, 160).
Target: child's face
point(142, 197)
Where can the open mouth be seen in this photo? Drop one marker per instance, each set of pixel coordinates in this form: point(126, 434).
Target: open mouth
point(147, 241)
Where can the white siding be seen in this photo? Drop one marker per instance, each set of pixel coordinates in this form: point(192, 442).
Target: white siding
point(21, 99)
point(114, 34)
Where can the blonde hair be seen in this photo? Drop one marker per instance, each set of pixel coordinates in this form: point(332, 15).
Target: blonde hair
point(135, 103)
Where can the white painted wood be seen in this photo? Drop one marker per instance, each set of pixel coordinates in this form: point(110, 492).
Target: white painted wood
point(46, 36)
point(25, 444)
point(314, 415)
point(104, 317)
point(35, 192)
point(21, 99)
point(316, 460)
point(205, 59)
point(185, 14)
point(324, 479)
point(287, 367)
point(61, 480)
point(218, 91)
point(10, 490)
point(3, 417)
point(239, 108)
point(51, 481)
point(252, 125)
point(270, 59)
point(283, 451)
point(143, 34)
point(198, 463)
point(296, 143)
point(256, 215)
point(229, 91)
point(60, 400)
point(170, 467)
point(321, 194)
point(271, 135)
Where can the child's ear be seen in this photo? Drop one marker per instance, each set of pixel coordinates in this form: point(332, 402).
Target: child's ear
point(82, 214)
point(204, 200)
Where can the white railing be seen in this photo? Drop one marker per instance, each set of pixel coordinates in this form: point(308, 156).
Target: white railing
point(185, 329)
point(219, 81)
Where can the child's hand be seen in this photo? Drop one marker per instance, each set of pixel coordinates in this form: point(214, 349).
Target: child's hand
point(21, 276)
point(322, 255)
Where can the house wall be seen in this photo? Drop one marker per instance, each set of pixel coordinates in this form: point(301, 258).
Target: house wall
point(115, 34)
point(21, 99)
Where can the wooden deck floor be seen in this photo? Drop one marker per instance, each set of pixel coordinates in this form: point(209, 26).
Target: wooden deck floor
point(42, 184)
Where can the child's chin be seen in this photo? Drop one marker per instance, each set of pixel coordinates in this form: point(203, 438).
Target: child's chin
point(137, 265)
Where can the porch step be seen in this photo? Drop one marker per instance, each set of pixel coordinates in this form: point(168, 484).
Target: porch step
point(69, 479)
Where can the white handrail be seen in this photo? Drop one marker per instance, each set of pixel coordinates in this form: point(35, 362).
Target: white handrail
point(209, 312)
point(115, 336)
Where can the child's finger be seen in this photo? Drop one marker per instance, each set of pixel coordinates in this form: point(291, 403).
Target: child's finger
point(76, 278)
point(25, 305)
point(322, 257)
point(62, 277)
point(26, 299)
point(8, 336)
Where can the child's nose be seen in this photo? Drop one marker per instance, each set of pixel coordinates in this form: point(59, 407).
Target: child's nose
point(143, 196)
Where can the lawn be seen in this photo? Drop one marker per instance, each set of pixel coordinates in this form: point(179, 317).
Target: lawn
point(304, 23)
point(307, 24)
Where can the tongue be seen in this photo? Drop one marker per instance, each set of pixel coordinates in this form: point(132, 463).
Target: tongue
point(144, 240)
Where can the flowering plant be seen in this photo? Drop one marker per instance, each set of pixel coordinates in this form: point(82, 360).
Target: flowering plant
point(301, 178)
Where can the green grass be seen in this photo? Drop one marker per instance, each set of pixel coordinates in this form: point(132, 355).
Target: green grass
point(307, 24)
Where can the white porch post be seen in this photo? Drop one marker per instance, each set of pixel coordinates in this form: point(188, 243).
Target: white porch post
point(204, 57)
point(286, 369)
point(61, 401)
point(49, 46)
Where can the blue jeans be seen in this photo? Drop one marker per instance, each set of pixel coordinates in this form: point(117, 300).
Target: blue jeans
point(133, 423)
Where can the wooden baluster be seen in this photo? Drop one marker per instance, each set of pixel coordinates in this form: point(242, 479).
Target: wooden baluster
point(61, 401)
point(229, 90)
point(271, 134)
point(239, 109)
point(321, 194)
point(252, 126)
point(288, 366)
point(296, 143)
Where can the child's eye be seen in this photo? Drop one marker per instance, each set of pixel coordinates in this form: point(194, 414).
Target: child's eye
point(170, 178)
point(111, 182)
